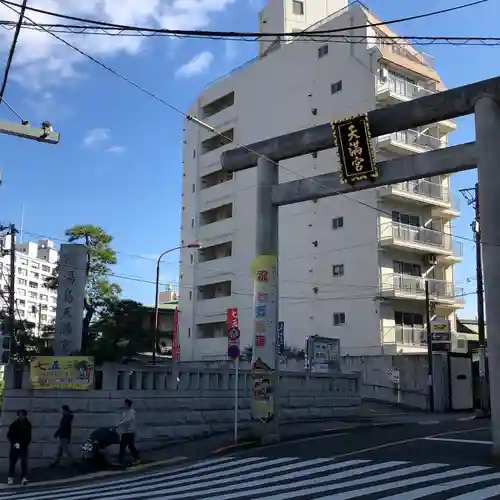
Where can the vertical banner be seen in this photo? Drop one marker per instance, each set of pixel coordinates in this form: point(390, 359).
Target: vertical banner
point(70, 299)
point(281, 338)
point(265, 319)
point(176, 347)
point(233, 334)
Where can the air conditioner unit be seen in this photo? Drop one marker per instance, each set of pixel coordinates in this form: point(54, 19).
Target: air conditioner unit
point(431, 259)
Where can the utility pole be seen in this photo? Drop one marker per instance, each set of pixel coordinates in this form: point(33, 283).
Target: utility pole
point(430, 367)
point(472, 197)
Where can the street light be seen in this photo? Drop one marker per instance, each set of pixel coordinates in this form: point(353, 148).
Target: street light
point(155, 337)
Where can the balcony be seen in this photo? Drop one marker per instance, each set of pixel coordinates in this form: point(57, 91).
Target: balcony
point(419, 239)
point(409, 142)
point(425, 193)
point(216, 195)
point(404, 286)
point(215, 309)
point(209, 233)
point(393, 90)
point(404, 335)
point(213, 268)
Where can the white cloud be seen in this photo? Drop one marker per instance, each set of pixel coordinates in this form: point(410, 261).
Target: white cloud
point(198, 65)
point(95, 137)
point(118, 150)
point(42, 60)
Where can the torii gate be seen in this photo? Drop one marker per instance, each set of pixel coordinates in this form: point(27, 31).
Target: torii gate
point(481, 98)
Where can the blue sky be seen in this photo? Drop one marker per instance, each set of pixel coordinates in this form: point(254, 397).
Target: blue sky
point(119, 161)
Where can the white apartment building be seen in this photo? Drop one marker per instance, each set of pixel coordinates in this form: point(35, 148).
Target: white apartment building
point(346, 270)
point(34, 263)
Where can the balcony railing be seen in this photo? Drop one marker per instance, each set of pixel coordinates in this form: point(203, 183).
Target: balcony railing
point(400, 49)
point(417, 139)
point(415, 285)
point(416, 234)
point(407, 335)
point(403, 87)
point(429, 189)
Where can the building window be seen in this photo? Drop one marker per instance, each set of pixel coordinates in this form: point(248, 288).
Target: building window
point(33, 284)
point(23, 262)
point(336, 87)
point(337, 222)
point(22, 272)
point(338, 319)
point(35, 265)
point(32, 295)
point(338, 270)
point(34, 275)
point(322, 51)
point(21, 282)
point(21, 292)
point(45, 268)
point(298, 7)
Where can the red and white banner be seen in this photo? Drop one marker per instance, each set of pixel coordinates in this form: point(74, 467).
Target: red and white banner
point(176, 348)
point(233, 334)
point(232, 318)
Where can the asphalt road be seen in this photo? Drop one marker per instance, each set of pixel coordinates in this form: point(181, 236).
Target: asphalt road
point(402, 443)
point(437, 462)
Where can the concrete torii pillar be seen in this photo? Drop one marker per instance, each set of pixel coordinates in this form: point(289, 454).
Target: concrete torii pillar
point(487, 121)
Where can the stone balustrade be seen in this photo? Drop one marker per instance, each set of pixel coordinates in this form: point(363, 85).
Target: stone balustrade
point(172, 403)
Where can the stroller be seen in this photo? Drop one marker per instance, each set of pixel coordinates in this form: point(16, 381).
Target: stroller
point(93, 449)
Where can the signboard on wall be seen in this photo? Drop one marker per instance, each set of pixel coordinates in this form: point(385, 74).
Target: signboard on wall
point(62, 372)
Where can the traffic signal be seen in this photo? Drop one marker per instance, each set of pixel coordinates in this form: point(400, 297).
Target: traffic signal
point(5, 344)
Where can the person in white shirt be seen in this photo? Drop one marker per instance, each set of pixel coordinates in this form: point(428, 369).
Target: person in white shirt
point(127, 428)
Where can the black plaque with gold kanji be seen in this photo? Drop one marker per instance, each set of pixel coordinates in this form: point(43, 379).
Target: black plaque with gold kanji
point(354, 146)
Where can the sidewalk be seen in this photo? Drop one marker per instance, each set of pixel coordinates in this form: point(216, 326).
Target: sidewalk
point(371, 415)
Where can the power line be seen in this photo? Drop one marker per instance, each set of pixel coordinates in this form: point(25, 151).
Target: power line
point(457, 41)
point(12, 49)
point(257, 35)
point(212, 129)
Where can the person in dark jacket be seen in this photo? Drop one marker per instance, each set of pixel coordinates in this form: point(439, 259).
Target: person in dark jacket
point(19, 436)
point(63, 433)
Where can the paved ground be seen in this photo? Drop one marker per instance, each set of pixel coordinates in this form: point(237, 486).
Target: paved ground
point(369, 414)
point(435, 461)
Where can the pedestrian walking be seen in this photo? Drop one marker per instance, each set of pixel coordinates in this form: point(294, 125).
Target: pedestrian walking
point(63, 434)
point(19, 436)
point(127, 426)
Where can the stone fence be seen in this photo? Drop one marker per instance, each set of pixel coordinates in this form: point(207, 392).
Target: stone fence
point(172, 404)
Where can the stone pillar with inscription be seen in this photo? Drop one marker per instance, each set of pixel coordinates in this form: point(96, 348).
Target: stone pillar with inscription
point(70, 299)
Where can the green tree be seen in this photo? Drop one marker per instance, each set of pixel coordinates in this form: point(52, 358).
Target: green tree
point(25, 343)
point(101, 292)
point(123, 330)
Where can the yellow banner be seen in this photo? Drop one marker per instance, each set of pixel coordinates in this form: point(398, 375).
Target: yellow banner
point(62, 372)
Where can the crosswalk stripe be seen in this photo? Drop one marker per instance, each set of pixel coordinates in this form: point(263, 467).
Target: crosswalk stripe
point(431, 490)
point(195, 468)
point(307, 482)
point(285, 478)
point(145, 483)
point(370, 479)
point(398, 484)
point(484, 494)
point(244, 485)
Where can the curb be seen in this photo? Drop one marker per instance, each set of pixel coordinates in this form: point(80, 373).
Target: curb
point(331, 432)
point(96, 475)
